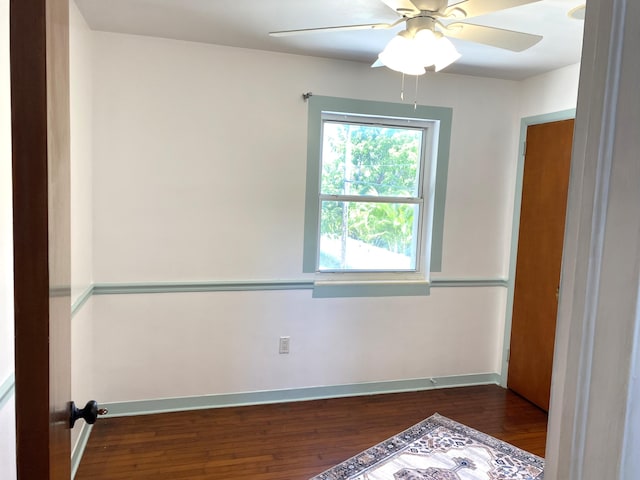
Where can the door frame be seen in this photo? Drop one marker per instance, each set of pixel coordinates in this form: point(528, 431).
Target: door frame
point(594, 390)
point(525, 123)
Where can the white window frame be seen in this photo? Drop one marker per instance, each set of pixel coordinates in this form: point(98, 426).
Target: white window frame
point(425, 169)
point(436, 123)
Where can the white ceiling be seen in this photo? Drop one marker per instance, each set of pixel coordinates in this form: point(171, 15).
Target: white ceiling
point(246, 23)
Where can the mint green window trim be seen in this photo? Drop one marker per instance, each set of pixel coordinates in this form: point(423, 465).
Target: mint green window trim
point(318, 105)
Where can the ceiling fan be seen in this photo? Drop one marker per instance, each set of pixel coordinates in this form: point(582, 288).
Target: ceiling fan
point(428, 23)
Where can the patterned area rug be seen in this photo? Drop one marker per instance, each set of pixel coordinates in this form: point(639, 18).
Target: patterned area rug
point(439, 449)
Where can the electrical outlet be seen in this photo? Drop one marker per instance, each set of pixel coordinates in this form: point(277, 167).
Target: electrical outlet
point(284, 344)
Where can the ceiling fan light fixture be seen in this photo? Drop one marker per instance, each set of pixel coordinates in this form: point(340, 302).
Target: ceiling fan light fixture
point(412, 56)
point(406, 67)
point(425, 38)
point(400, 55)
point(425, 45)
point(446, 54)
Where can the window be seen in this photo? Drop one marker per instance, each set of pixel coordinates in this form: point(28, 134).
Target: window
point(371, 193)
point(376, 178)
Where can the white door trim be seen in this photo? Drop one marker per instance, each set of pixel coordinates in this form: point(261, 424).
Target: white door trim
point(593, 422)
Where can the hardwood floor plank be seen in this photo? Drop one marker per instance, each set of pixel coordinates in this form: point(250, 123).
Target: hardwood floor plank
point(293, 441)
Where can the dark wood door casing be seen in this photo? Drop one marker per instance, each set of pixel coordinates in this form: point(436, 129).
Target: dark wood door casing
point(39, 56)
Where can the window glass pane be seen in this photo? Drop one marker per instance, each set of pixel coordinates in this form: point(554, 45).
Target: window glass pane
point(370, 160)
point(368, 236)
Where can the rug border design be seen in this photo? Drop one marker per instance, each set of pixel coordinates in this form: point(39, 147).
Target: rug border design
point(382, 451)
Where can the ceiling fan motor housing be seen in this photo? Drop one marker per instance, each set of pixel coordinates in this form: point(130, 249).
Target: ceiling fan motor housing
point(415, 24)
point(431, 5)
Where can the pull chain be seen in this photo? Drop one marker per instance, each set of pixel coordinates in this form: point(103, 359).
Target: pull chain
point(415, 98)
point(402, 88)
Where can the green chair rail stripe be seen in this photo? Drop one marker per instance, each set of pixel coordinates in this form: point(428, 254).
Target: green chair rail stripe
point(250, 285)
point(137, 288)
point(177, 287)
point(469, 282)
point(81, 300)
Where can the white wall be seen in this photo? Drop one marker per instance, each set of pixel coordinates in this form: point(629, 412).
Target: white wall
point(200, 149)
point(550, 92)
point(199, 174)
point(8, 441)
point(187, 344)
point(81, 105)
point(7, 415)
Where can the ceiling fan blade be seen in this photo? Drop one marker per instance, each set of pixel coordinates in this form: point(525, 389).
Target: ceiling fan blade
point(402, 7)
point(474, 8)
point(339, 28)
point(578, 12)
point(377, 63)
point(496, 37)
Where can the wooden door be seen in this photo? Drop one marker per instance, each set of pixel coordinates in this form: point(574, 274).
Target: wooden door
point(542, 221)
point(40, 148)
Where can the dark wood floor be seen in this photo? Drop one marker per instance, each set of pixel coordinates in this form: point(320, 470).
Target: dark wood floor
point(293, 441)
